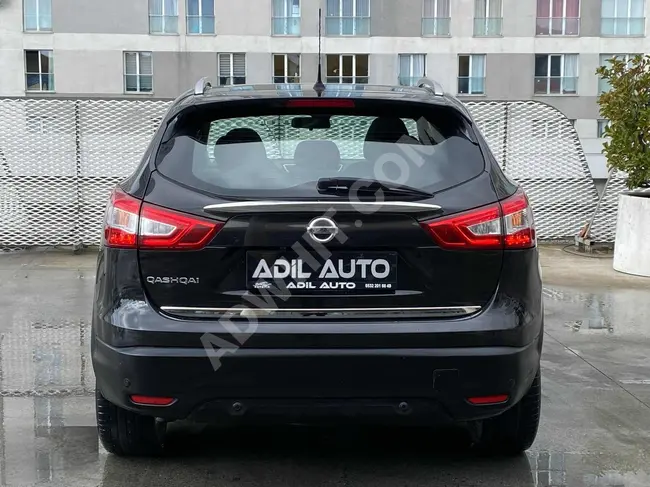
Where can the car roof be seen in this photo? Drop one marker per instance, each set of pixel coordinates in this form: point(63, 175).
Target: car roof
point(274, 91)
point(406, 94)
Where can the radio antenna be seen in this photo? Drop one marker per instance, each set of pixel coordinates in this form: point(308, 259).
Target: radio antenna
point(319, 87)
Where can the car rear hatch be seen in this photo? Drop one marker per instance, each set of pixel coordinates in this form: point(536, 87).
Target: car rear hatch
point(339, 208)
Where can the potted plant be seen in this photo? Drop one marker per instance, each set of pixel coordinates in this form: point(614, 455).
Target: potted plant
point(627, 107)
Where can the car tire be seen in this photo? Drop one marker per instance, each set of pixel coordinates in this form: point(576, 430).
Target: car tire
point(514, 431)
point(126, 433)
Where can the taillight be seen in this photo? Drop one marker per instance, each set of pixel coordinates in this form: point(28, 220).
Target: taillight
point(320, 103)
point(132, 224)
point(121, 221)
point(518, 221)
point(508, 224)
point(152, 400)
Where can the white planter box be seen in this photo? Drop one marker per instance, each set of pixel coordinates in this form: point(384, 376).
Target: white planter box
point(632, 248)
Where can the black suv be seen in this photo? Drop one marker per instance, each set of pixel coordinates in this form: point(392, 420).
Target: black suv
point(306, 254)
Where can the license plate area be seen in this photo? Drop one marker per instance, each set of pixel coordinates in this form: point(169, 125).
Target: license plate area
point(346, 273)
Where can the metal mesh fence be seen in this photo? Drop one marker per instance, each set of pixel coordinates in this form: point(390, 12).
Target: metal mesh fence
point(603, 229)
point(59, 160)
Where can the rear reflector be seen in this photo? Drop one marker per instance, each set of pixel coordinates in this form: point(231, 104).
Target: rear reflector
point(508, 224)
point(487, 400)
point(320, 103)
point(131, 224)
point(152, 401)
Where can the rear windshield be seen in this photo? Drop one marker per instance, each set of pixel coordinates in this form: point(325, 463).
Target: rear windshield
point(283, 151)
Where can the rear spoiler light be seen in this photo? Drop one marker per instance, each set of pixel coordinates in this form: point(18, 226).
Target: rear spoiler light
point(132, 224)
point(508, 224)
point(319, 103)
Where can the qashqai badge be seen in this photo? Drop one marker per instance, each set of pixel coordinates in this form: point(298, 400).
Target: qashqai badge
point(322, 229)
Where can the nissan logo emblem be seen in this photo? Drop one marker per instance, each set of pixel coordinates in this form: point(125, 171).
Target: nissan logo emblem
point(322, 230)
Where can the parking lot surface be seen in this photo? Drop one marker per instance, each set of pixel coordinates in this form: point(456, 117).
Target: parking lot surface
point(595, 428)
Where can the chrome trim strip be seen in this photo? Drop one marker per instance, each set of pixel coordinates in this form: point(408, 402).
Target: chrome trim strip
point(439, 309)
point(262, 206)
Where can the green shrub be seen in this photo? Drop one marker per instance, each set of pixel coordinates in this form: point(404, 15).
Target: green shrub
point(627, 107)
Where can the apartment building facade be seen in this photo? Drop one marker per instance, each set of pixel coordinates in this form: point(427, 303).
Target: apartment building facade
point(546, 50)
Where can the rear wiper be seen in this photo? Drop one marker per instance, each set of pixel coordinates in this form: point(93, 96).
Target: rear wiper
point(343, 186)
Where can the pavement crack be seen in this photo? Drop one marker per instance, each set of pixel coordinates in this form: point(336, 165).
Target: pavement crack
point(598, 370)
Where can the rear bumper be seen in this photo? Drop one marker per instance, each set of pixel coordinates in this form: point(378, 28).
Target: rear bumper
point(313, 367)
point(422, 386)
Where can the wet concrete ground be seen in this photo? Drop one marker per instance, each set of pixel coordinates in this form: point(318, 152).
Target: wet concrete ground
point(595, 427)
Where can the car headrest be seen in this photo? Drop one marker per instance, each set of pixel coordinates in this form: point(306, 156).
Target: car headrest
point(248, 151)
point(239, 136)
point(383, 130)
point(321, 155)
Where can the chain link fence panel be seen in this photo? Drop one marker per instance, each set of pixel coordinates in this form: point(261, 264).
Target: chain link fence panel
point(59, 160)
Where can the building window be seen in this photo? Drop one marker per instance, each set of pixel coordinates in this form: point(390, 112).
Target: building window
point(412, 68)
point(488, 18)
point(286, 18)
point(39, 71)
point(558, 17)
point(232, 69)
point(37, 15)
point(347, 68)
point(623, 18)
point(603, 85)
point(138, 72)
point(436, 18)
point(286, 68)
point(163, 16)
point(200, 16)
point(602, 125)
point(348, 18)
point(471, 74)
point(556, 74)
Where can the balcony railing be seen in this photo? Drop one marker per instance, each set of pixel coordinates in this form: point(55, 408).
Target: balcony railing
point(471, 85)
point(286, 80)
point(163, 24)
point(200, 24)
point(138, 83)
point(230, 80)
point(37, 23)
point(603, 85)
point(436, 27)
point(347, 26)
point(39, 82)
point(409, 80)
point(556, 85)
point(488, 27)
point(286, 26)
point(359, 80)
point(558, 26)
point(622, 27)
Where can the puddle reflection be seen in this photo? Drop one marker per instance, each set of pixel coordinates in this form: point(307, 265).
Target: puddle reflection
point(614, 311)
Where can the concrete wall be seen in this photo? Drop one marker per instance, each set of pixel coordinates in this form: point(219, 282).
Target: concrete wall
point(520, 18)
point(115, 16)
point(234, 17)
point(396, 18)
point(590, 14)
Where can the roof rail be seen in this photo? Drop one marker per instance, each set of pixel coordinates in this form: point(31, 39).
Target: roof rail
point(432, 85)
point(202, 85)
